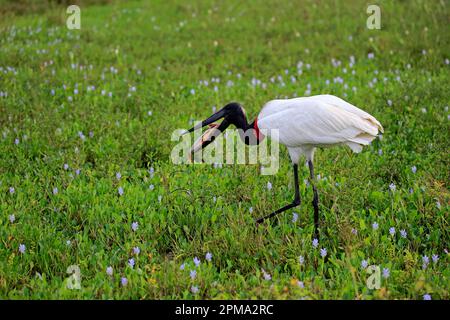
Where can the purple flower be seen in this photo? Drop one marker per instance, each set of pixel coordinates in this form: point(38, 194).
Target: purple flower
point(66, 166)
point(120, 191)
point(250, 209)
point(196, 261)
point(77, 172)
point(392, 187)
point(109, 271)
point(300, 284)
point(118, 176)
point(134, 226)
point(12, 190)
point(194, 289)
point(413, 169)
point(392, 231)
point(323, 252)
point(131, 262)
point(426, 297)
point(136, 250)
point(182, 266)
point(315, 243)
point(208, 256)
point(22, 248)
point(435, 258)
point(375, 225)
point(266, 276)
point(386, 273)
point(364, 264)
point(294, 217)
point(425, 262)
point(124, 281)
point(403, 233)
point(55, 190)
point(354, 231)
point(269, 186)
point(12, 218)
point(193, 274)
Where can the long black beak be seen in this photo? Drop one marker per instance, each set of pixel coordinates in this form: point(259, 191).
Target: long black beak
point(216, 116)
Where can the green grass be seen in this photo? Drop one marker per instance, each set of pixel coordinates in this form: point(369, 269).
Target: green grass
point(164, 48)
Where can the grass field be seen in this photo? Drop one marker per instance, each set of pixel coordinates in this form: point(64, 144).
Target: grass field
point(85, 173)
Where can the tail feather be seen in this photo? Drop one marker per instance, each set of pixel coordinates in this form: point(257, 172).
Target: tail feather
point(356, 147)
point(363, 138)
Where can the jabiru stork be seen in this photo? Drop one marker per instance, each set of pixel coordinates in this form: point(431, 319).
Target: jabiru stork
point(303, 124)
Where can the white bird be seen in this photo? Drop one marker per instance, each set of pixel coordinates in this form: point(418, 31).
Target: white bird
point(302, 124)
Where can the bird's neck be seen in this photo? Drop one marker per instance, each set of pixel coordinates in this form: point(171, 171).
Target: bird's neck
point(250, 133)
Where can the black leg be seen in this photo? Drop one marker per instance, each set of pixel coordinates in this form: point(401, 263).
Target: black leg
point(295, 203)
point(315, 200)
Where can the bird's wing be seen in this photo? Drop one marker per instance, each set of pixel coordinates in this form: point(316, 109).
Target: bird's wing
point(307, 121)
point(340, 103)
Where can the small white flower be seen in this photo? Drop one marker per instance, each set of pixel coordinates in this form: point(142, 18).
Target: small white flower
point(194, 289)
point(301, 260)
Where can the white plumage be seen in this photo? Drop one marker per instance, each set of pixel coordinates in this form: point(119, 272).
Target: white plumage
point(317, 121)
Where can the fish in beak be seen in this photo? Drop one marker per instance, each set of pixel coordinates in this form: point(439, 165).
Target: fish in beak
point(206, 136)
point(211, 133)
